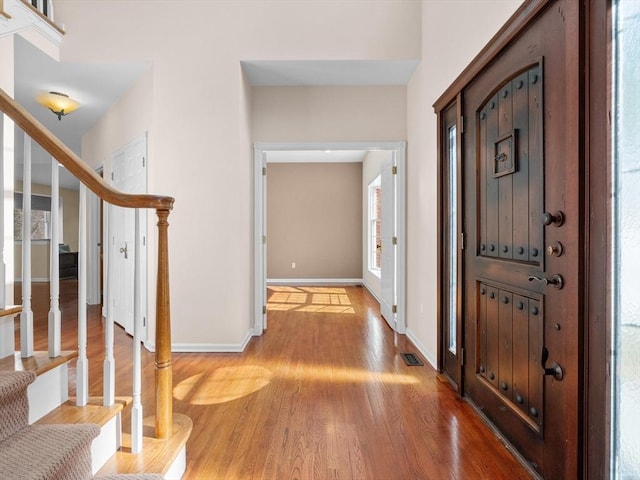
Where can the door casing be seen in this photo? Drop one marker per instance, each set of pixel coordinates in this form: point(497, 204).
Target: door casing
point(260, 221)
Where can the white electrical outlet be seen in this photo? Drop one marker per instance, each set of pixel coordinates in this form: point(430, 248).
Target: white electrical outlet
point(293, 264)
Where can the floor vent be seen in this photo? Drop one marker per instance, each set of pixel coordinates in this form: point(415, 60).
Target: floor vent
point(411, 359)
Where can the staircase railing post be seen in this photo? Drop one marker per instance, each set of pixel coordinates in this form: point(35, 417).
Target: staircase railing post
point(163, 363)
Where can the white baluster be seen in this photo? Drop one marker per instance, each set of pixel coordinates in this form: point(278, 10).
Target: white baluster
point(82, 369)
point(26, 317)
point(136, 411)
point(55, 325)
point(109, 361)
point(50, 9)
point(3, 278)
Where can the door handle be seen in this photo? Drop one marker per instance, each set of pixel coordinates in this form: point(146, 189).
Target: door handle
point(556, 218)
point(555, 281)
point(124, 250)
point(555, 370)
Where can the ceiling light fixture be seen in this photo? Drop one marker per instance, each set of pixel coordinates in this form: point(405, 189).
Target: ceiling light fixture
point(59, 103)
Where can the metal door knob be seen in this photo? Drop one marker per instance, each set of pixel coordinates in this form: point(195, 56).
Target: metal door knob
point(556, 218)
point(556, 249)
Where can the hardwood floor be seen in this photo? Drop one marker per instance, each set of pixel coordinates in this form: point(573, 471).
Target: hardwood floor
point(323, 394)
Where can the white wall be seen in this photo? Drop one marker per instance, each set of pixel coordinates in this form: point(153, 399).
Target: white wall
point(452, 34)
point(200, 135)
point(7, 154)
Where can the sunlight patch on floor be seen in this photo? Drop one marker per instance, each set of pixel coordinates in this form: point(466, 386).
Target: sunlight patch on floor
point(286, 297)
point(330, 299)
point(325, 309)
point(323, 300)
point(222, 385)
point(332, 374)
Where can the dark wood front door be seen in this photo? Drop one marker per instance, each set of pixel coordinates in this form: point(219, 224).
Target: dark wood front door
point(521, 266)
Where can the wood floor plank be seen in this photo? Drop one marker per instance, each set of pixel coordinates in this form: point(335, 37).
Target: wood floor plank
point(321, 395)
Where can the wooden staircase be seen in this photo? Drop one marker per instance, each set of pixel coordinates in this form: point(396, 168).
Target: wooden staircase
point(49, 449)
point(157, 443)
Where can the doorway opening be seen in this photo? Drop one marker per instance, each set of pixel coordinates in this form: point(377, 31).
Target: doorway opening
point(392, 278)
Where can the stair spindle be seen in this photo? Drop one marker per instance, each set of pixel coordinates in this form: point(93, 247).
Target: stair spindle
point(136, 410)
point(55, 328)
point(109, 367)
point(82, 369)
point(26, 317)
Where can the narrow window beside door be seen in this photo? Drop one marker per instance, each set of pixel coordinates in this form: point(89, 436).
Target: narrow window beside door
point(626, 235)
point(453, 241)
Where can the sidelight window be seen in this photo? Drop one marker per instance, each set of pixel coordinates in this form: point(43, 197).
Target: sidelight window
point(453, 243)
point(626, 238)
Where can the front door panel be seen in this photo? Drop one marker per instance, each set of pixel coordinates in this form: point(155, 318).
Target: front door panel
point(518, 164)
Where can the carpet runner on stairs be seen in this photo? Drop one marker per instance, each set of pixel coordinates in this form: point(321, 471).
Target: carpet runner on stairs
point(43, 452)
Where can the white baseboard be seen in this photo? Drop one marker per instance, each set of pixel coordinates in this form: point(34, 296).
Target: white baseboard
point(421, 348)
point(314, 281)
point(33, 280)
point(213, 347)
point(371, 292)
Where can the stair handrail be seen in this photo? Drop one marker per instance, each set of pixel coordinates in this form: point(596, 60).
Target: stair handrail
point(74, 164)
point(163, 206)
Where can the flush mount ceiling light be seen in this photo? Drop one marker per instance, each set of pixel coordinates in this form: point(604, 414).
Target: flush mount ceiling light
point(59, 103)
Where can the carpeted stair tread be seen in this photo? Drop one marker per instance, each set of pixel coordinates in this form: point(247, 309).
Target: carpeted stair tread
point(48, 452)
point(14, 406)
point(14, 382)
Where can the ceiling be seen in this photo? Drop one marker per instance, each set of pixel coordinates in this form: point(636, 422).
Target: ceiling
point(97, 86)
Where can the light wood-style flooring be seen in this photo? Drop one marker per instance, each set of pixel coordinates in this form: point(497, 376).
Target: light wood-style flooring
point(323, 394)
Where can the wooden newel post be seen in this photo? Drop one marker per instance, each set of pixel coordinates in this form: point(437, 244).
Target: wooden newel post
point(164, 381)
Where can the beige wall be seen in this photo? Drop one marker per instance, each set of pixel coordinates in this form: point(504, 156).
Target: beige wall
point(314, 218)
point(329, 114)
point(200, 136)
point(447, 51)
point(40, 250)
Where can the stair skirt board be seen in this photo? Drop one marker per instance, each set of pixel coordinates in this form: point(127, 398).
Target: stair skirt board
point(107, 443)
point(179, 465)
point(7, 339)
point(48, 392)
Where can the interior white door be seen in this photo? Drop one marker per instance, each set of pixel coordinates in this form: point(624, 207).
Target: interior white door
point(388, 233)
point(128, 174)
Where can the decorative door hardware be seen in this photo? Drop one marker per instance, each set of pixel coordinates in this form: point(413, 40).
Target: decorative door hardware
point(556, 218)
point(556, 249)
point(555, 281)
point(555, 370)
